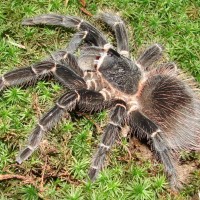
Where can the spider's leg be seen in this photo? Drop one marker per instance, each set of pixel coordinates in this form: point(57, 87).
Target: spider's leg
point(71, 47)
point(26, 75)
point(149, 56)
point(93, 36)
point(120, 30)
point(148, 129)
point(111, 133)
point(64, 104)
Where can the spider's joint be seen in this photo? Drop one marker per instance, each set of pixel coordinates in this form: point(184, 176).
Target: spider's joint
point(78, 95)
point(41, 126)
point(54, 68)
point(96, 62)
point(60, 106)
point(121, 105)
point(125, 130)
point(91, 84)
point(159, 47)
point(138, 64)
point(66, 55)
point(107, 46)
point(94, 167)
point(6, 83)
point(78, 26)
point(134, 106)
point(105, 94)
point(34, 70)
point(155, 133)
point(31, 148)
point(85, 35)
point(124, 53)
point(104, 146)
point(116, 23)
point(103, 55)
point(114, 124)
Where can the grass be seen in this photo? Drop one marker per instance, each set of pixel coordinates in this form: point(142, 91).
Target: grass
point(65, 153)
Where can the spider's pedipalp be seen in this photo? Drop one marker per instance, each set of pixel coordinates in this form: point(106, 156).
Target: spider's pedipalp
point(118, 26)
point(66, 103)
point(67, 59)
point(111, 133)
point(93, 35)
point(150, 55)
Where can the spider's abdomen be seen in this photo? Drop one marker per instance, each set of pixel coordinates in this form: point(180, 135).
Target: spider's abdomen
point(164, 95)
point(120, 72)
point(174, 107)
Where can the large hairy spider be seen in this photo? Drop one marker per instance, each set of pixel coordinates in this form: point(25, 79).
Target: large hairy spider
point(151, 102)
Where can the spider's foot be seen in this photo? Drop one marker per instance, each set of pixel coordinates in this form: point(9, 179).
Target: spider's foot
point(175, 184)
point(24, 154)
point(93, 173)
point(1, 84)
point(28, 22)
point(50, 19)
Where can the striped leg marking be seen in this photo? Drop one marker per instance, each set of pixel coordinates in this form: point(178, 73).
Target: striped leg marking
point(93, 36)
point(147, 129)
point(66, 103)
point(111, 133)
point(150, 55)
point(26, 75)
point(120, 30)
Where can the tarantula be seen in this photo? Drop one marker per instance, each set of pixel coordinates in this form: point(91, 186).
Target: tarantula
point(147, 100)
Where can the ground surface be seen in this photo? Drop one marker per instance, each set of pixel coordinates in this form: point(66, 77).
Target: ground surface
point(58, 169)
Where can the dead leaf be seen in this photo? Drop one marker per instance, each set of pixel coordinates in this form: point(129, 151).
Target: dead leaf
point(86, 12)
point(83, 3)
